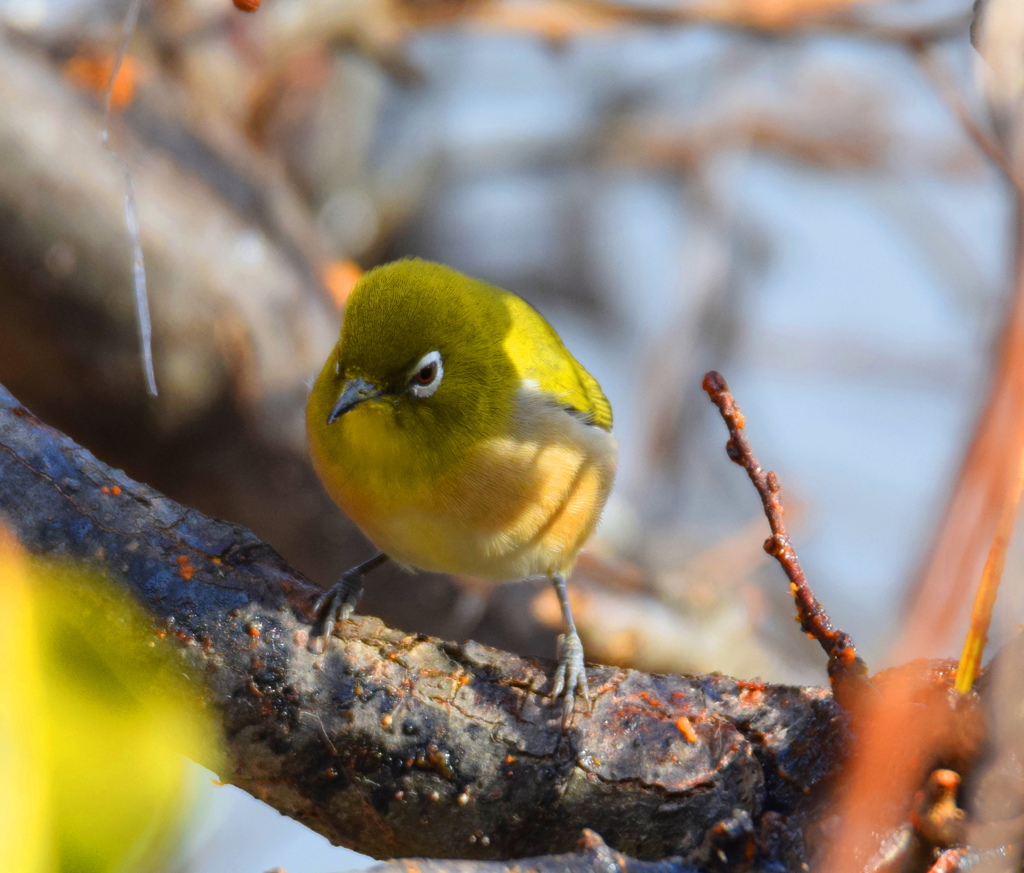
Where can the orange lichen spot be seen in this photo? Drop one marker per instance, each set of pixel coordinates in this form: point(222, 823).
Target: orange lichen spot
point(393, 656)
point(253, 630)
point(91, 72)
point(644, 696)
point(185, 569)
point(386, 720)
point(686, 729)
point(464, 679)
point(510, 759)
point(116, 490)
point(246, 5)
point(182, 559)
point(339, 278)
point(216, 560)
point(162, 634)
point(105, 489)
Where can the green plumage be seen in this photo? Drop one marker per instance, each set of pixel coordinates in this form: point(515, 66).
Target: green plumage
point(457, 431)
point(490, 341)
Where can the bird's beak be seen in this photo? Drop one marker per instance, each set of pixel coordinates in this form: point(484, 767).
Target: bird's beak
point(354, 393)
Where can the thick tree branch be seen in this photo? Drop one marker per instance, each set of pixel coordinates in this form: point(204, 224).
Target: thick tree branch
point(591, 854)
point(395, 744)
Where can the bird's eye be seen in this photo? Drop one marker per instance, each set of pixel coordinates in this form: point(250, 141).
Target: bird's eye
point(426, 375)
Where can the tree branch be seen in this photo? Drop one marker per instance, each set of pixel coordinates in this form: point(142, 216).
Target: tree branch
point(394, 744)
point(591, 854)
point(844, 664)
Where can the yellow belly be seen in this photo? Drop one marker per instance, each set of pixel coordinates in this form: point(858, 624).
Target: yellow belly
point(517, 506)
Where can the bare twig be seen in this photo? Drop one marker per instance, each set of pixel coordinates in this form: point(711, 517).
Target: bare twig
point(131, 212)
point(844, 662)
point(938, 73)
point(988, 587)
point(563, 19)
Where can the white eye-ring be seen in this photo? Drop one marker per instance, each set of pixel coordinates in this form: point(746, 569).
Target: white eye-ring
point(426, 375)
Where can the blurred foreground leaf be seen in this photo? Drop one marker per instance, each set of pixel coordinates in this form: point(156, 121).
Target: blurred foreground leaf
point(95, 713)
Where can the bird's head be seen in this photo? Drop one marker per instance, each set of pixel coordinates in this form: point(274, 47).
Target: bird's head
point(422, 351)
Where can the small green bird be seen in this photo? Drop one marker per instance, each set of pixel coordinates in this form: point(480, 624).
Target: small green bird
point(455, 429)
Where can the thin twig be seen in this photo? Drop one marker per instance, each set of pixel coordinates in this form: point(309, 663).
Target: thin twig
point(941, 78)
point(575, 17)
point(131, 212)
point(988, 587)
point(842, 654)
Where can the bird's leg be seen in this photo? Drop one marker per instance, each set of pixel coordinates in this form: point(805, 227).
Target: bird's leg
point(338, 602)
point(571, 674)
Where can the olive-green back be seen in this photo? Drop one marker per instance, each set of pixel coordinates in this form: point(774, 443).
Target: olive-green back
point(405, 309)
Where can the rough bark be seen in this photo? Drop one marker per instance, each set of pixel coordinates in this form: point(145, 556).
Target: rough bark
point(592, 854)
point(396, 744)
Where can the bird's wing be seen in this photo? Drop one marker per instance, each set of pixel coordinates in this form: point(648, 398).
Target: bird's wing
point(588, 400)
point(544, 361)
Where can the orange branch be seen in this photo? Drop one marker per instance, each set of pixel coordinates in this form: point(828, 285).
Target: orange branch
point(985, 483)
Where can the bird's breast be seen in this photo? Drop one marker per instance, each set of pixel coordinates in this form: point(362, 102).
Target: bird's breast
point(515, 505)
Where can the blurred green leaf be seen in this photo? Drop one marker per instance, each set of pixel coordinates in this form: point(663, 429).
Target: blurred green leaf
point(96, 713)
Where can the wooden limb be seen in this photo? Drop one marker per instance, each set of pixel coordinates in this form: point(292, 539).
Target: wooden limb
point(396, 744)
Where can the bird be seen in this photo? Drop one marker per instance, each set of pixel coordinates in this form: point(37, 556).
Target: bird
point(457, 431)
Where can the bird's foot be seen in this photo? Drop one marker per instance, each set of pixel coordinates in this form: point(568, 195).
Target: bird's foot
point(570, 676)
point(336, 605)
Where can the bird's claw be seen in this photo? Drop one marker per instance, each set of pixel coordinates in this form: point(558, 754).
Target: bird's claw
point(335, 606)
point(570, 676)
